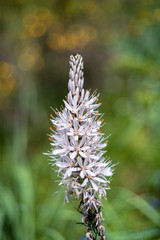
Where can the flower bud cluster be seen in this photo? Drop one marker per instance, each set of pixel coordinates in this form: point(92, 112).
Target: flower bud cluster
point(78, 146)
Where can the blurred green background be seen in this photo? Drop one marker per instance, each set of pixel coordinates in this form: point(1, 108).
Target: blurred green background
point(120, 44)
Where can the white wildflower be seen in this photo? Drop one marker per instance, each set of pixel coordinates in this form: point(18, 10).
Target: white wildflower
point(77, 147)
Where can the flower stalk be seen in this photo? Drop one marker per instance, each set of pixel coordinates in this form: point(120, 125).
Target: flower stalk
point(78, 150)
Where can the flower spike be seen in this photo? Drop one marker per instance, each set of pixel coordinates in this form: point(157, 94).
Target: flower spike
point(77, 144)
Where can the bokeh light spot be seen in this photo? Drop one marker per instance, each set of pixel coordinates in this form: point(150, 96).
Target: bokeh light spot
point(6, 70)
point(37, 29)
point(76, 37)
point(7, 82)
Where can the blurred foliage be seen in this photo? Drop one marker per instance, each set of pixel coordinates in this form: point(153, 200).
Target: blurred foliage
point(119, 41)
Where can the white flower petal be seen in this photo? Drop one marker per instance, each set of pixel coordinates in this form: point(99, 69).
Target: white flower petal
point(99, 180)
point(68, 173)
point(58, 151)
point(79, 160)
point(67, 105)
point(73, 155)
point(102, 145)
point(82, 95)
point(75, 99)
point(71, 148)
point(76, 137)
point(94, 157)
point(101, 164)
point(92, 100)
point(70, 97)
point(74, 141)
point(90, 173)
point(85, 148)
point(86, 95)
point(76, 169)
point(82, 141)
point(94, 185)
point(82, 174)
point(82, 154)
point(75, 124)
point(73, 86)
point(107, 172)
point(91, 164)
point(85, 162)
point(70, 133)
point(84, 182)
point(82, 83)
point(62, 164)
